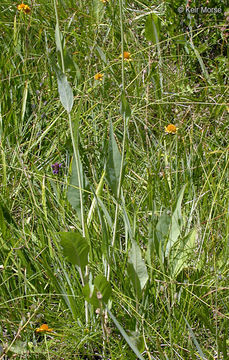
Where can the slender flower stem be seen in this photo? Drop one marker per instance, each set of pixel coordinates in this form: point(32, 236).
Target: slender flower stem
point(123, 142)
point(46, 345)
point(76, 155)
point(122, 44)
point(59, 35)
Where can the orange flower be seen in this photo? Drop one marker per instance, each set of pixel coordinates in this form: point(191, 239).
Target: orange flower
point(171, 129)
point(43, 328)
point(24, 8)
point(126, 56)
point(98, 77)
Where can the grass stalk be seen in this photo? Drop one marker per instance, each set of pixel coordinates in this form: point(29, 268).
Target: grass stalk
point(58, 33)
point(124, 138)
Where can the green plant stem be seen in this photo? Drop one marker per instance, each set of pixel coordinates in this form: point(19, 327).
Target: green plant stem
point(59, 35)
point(76, 155)
point(46, 345)
point(122, 44)
point(123, 142)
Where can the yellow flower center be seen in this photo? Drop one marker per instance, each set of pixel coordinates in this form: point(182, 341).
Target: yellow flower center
point(98, 76)
point(44, 328)
point(126, 55)
point(171, 129)
point(25, 8)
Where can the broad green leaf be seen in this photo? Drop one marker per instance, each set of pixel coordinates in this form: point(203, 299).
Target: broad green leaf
point(134, 279)
point(161, 235)
point(75, 248)
point(71, 67)
point(137, 269)
point(176, 223)
point(65, 91)
point(184, 253)
point(73, 194)
point(152, 33)
point(90, 295)
point(113, 165)
point(97, 11)
point(101, 54)
point(59, 39)
point(102, 286)
point(138, 340)
point(152, 28)
point(19, 348)
point(124, 107)
point(126, 337)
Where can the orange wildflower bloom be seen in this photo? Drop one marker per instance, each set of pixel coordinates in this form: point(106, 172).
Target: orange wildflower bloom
point(98, 77)
point(126, 56)
point(171, 129)
point(24, 8)
point(43, 328)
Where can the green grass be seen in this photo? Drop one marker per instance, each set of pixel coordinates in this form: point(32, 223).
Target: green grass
point(124, 252)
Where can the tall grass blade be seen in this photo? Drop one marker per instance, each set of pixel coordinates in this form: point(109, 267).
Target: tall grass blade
point(24, 100)
point(126, 337)
point(202, 356)
point(202, 65)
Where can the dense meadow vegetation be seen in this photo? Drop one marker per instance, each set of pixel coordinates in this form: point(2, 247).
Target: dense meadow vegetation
point(114, 168)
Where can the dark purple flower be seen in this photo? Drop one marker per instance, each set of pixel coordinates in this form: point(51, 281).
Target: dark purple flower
point(56, 167)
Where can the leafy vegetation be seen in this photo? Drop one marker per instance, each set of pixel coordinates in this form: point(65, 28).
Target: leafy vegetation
point(114, 224)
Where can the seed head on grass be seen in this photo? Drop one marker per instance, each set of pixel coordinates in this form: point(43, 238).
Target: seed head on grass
point(24, 8)
point(98, 76)
point(56, 167)
point(171, 129)
point(43, 329)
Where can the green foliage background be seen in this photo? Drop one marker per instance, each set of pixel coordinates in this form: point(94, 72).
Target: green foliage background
point(124, 253)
